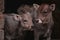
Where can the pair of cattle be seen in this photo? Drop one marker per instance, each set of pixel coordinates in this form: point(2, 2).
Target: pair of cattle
point(37, 18)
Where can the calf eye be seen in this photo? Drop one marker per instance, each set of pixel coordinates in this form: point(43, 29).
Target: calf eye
point(22, 11)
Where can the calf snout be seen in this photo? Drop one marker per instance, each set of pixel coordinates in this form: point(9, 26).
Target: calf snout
point(27, 28)
point(38, 21)
point(25, 21)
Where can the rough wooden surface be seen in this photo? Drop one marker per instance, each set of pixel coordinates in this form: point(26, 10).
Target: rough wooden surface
point(1, 5)
point(1, 26)
point(1, 35)
point(1, 20)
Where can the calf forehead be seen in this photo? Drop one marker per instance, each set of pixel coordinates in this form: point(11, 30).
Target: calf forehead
point(27, 16)
point(44, 7)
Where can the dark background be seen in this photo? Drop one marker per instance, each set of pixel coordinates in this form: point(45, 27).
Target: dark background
point(12, 5)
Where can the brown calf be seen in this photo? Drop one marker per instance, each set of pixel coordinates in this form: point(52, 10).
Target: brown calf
point(43, 21)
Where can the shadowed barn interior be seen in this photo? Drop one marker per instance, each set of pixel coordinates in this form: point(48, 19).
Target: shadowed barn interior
point(12, 5)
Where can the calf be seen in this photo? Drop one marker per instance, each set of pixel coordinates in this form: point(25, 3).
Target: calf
point(26, 21)
point(11, 26)
point(43, 21)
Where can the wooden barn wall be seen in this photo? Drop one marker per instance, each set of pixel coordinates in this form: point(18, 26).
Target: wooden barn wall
point(1, 20)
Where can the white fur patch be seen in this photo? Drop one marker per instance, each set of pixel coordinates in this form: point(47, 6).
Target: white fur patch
point(40, 21)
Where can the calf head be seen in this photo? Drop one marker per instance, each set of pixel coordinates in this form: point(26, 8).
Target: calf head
point(26, 21)
point(44, 12)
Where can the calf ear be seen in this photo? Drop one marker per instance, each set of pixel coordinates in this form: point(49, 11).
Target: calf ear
point(36, 6)
point(52, 7)
point(17, 17)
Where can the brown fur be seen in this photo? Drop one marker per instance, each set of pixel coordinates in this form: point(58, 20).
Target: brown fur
point(44, 13)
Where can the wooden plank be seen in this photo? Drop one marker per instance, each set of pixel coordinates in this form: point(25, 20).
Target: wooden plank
point(1, 26)
point(1, 34)
point(1, 20)
point(1, 5)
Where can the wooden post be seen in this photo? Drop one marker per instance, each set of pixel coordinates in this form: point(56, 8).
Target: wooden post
point(1, 20)
point(1, 5)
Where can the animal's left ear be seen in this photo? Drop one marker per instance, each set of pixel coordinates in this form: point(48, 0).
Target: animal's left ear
point(52, 7)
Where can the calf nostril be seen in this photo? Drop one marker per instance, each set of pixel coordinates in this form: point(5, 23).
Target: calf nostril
point(37, 21)
point(25, 20)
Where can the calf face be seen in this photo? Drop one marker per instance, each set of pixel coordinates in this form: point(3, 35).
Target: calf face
point(26, 21)
point(44, 12)
point(43, 20)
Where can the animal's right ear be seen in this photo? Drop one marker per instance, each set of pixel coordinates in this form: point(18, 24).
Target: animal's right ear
point(17, 17)
point(36, 6)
